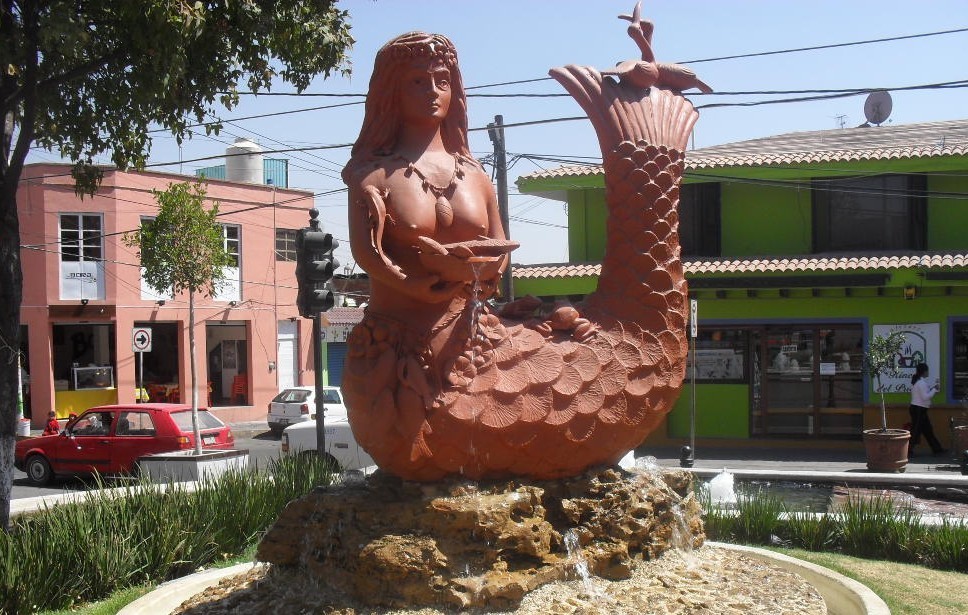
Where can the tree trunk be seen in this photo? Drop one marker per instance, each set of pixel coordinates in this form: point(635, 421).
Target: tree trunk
point(880, 389)
point(194, 371)
point(11, 291)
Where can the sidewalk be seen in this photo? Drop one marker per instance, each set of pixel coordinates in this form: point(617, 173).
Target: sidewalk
point(843, 466)
point(800, 460)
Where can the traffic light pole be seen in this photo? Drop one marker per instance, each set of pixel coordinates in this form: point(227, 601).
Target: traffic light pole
point(320, 404)
point(315, 265)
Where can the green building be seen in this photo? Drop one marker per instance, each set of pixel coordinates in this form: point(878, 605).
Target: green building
point(798, 248)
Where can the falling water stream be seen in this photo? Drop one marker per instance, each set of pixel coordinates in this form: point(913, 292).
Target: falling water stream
point(578, 560)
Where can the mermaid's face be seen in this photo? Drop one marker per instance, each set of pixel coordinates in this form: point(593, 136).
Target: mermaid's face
point(425, 91)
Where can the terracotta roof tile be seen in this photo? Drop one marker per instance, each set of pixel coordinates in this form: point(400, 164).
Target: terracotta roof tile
point(696, 266)
point(344, 315)
point(896, 142)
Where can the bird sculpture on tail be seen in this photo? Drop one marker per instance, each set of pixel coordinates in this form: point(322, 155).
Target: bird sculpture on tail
point(646, 72)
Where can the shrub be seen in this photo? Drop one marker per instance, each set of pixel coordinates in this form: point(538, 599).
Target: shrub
point(84, 551)
point(871, 527)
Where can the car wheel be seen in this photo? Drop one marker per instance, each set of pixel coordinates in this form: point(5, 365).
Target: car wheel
point(38, 470)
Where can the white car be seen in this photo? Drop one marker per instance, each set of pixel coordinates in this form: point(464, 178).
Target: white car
point(341, 446)
point(298, 404)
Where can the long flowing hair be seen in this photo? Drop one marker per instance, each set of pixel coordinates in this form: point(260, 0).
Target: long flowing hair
point(381, 120)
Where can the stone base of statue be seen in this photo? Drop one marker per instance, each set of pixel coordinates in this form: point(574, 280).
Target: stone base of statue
point(460, 544)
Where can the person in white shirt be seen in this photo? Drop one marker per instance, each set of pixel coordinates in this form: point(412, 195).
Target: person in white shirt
point(921, 394)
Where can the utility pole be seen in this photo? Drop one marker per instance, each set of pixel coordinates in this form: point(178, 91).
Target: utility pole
point(495, 130)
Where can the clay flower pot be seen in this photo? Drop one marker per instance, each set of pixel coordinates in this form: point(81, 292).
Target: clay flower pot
point(887, 449)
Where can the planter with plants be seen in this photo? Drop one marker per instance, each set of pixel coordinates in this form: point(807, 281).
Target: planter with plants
point(887, 449)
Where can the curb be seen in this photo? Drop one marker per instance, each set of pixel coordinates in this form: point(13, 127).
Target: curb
point(843, 595)
point(169, 596)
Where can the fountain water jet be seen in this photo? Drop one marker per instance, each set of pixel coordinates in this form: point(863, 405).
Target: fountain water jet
point(722, 489)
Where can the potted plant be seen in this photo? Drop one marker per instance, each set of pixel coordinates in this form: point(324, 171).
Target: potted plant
point(887, 449)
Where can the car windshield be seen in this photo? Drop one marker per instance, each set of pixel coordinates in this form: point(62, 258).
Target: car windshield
point(296, 396)
point(331, 396)
point(206, 420)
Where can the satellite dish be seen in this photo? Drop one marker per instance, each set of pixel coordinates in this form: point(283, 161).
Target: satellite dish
point(877, 108)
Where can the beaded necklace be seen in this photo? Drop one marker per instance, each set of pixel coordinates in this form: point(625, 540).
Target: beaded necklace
point(445, 211)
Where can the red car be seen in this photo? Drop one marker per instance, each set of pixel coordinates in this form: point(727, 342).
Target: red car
point(111, 439)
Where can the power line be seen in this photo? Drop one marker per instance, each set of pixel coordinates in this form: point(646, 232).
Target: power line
point(830, 46)
point(698, 61)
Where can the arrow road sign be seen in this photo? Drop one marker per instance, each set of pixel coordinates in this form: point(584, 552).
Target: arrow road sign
point(141, 339)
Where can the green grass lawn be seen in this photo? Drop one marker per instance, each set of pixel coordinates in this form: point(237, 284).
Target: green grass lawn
point(906, 588)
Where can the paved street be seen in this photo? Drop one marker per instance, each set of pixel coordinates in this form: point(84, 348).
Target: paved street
point(261, 445)
point(849, 464)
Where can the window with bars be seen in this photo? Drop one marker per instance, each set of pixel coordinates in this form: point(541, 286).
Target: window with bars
point(285, 244)
point(81, 237)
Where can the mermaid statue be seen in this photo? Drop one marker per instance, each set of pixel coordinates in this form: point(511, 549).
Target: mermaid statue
point(439, 383)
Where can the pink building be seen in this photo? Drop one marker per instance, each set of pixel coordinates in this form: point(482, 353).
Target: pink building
point(86, 310)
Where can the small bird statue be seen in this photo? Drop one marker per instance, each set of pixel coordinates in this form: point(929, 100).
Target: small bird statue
point(647, 72)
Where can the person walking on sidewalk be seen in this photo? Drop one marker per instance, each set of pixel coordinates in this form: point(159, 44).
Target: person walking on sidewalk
point(921, 394)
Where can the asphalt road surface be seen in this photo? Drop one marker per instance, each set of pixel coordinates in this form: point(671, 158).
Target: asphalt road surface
point(261, 447)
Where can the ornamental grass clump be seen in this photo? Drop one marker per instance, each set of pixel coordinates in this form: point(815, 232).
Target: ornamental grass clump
point(140, 534)
point(759, 517)
point(811, 531)
point(875, 527)
point(880, 528)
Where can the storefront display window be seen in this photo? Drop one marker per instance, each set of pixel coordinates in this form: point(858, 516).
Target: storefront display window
point(812, 383)
point(720, 356)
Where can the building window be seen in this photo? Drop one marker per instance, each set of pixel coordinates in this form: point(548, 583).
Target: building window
point(959, 361)
point(720, 356)
point(885, 212)
point(231, 288)
point(232, 243)
point(81, 256)
point(81, 237)
point(285, 244)
point(699, 219)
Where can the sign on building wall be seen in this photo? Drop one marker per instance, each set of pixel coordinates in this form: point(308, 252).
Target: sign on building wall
point(231, 288)
point(82, 279)
point(922, 344)
point(336, 332)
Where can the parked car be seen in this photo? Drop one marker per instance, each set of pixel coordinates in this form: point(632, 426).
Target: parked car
point(111, 439)
point(341, 446)
point(298, 404)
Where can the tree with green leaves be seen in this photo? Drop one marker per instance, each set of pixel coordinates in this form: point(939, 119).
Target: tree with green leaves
point(93, 78)
point(183, 251)
point(880, 360)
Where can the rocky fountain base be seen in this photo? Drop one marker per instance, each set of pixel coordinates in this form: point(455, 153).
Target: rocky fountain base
point(607, 542)
point(391, 543)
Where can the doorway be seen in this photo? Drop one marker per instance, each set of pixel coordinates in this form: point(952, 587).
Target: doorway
point(808, 380)
point(227, 353)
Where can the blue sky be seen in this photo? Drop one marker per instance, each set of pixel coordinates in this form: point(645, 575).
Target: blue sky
point(500, 41)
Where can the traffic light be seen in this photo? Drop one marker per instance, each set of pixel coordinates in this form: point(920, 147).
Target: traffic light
point(315, 265)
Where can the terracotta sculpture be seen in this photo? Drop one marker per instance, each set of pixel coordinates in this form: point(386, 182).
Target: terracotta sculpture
point(436, 382)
